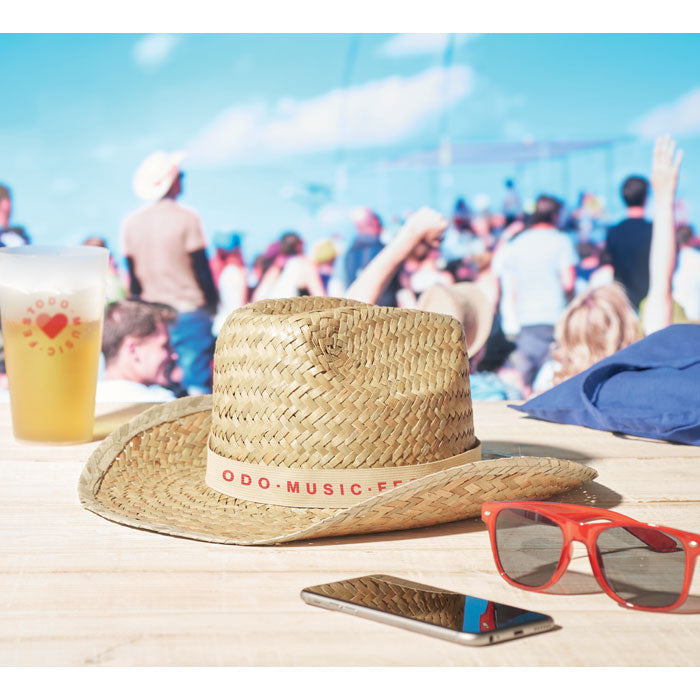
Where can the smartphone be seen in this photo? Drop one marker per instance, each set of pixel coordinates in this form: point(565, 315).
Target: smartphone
point(432, 611)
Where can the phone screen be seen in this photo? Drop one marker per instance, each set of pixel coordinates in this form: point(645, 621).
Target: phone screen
point(423, 603)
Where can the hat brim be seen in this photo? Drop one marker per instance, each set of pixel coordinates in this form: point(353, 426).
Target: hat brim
point(149, 474)
point(468, 304)
point(149, 191)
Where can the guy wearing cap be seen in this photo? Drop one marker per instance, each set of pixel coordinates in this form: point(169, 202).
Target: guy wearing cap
point(165, 249)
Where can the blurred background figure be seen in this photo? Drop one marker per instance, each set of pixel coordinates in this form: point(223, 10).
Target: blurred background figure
point(229, 274)
point(460, 243)
point(116, 284)
point(588, 263)
point(423, 268)
point(686, 279)
point(227, 250)
point(422, 230)
point(595, 325)
point(165, 249)
point(512, 206)
point(584, 222)
point(324, 255)
point(9, 235)
point(485, 278)
point(260, 266)
point(538, 265)
point(629, 242)
point(290, 273)
point(139, 359)
point(362, 250)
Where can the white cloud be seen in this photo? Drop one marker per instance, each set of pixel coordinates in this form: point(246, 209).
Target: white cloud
point(376, 113)
point(153, 50)
point(678, 118)
point(104, 152)
point(418, 44)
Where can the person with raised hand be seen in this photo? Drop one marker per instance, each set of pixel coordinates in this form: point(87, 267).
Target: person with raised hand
point(658, 309)
point(422, 231)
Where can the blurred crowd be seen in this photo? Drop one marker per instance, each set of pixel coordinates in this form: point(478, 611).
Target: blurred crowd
point(543, 291)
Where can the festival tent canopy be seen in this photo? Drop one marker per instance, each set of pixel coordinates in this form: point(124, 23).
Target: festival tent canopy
point(496, 152)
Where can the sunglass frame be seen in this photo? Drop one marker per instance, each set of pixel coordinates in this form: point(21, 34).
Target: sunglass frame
point(575, 523)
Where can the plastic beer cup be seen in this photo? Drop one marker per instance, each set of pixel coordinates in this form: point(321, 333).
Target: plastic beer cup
point(51, 309)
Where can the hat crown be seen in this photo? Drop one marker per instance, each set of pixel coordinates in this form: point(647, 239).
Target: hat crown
point(323, 383)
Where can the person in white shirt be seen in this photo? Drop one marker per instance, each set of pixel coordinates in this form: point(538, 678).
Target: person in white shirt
point(686, 279)
point(537, 270)
point(137, 353)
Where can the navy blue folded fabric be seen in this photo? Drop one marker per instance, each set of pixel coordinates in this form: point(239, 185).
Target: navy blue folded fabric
point(650, 389)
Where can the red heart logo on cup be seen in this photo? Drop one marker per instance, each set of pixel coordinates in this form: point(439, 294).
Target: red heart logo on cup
point(52, 325)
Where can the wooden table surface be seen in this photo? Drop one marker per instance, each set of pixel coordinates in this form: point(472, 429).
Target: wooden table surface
point(78, 590)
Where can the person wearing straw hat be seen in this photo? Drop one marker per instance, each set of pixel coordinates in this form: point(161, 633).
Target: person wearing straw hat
point(328, 417)
point(165, 249)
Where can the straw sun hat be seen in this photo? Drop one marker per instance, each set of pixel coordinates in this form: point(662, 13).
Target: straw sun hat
point(468, 304)
point(328, 417)
point(156, 174)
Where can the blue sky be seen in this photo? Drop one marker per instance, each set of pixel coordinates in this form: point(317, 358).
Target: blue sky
point(263, 116)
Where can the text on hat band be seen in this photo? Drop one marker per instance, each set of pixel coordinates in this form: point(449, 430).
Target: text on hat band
point(316, 488)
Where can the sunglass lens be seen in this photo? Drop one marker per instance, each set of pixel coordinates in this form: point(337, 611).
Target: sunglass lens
point(643, 566)
point(529, 546)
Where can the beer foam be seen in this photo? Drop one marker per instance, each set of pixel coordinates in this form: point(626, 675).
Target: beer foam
point(87, 303)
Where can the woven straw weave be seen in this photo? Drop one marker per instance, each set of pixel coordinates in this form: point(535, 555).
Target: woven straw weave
point(322, 383)
point(315, 383)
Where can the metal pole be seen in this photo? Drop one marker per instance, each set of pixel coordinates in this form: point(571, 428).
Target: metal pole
point(444, 149)
point(341, 166)
point(565, 178)
point(609, 174)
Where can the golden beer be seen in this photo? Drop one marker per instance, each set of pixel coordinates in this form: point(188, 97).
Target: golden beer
point(52, 304)
point(52, 364)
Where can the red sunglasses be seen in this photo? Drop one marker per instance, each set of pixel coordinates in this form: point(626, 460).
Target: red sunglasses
point(641, 566)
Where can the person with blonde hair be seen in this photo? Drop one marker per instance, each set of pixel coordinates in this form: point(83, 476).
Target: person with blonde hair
point(596, 324)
